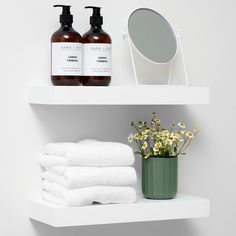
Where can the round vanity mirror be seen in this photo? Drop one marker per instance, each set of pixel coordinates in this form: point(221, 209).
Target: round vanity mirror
point(152, 35)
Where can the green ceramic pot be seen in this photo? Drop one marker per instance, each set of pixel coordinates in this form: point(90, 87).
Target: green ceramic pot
point(160, 177)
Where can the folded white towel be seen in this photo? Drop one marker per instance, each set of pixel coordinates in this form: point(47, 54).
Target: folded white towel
point(89, 153)
point(49, 161)
point(87, 195)
point(77, 176)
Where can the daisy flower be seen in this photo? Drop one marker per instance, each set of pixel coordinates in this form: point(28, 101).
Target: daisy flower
point(189, 134)
point(145, 145)
point(181, 125)
point(131, 138)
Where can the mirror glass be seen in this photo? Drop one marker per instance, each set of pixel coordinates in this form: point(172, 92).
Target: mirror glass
point(152, 35)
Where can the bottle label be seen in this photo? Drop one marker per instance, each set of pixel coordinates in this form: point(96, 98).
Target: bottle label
point(67, 59)
point(97, 59)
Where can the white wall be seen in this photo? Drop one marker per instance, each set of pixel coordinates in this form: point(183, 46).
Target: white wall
point(208, 29)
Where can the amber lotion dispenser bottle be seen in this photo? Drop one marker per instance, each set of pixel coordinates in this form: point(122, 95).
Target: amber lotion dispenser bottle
point(66, 51)
point(96, 53)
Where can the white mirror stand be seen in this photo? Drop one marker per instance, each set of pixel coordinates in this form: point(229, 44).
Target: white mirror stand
point(146, 72)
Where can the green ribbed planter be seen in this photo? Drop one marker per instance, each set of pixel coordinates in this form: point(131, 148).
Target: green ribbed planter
point(160, 177)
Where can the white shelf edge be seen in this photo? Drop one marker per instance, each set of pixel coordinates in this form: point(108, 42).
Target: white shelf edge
point(112, 95)
point(182, 207)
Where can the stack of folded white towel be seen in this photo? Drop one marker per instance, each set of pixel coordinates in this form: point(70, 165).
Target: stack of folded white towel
point(77, 174)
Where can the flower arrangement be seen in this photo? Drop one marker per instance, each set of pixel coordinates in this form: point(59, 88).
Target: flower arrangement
point(153, 140)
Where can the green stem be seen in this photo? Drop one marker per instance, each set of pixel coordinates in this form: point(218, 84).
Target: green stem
point(136, 128)
point(180, 150)
point(139, 145)
point(187, 145)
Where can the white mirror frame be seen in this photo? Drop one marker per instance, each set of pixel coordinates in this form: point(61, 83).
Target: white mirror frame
point(176, 67)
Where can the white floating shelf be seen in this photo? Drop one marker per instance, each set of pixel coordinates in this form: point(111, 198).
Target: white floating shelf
point(131, 95)
point(182, 207)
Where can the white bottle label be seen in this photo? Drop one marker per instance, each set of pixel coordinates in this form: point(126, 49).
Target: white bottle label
point(97, 59)
point(67, 59)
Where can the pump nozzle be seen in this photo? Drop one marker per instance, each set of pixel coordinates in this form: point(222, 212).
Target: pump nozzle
point(66, 16)
point(96, 18)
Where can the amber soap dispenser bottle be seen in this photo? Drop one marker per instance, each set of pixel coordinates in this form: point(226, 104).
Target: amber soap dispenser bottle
point(96, 52)
point(66, 52)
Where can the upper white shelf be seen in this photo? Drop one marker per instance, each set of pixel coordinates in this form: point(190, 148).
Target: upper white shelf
point(129, 95)
point(182, 207)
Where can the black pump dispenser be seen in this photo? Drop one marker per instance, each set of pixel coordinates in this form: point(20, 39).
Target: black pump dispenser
point(96, 19)
point(65, 17)
point(97, 50)
point(66, 52)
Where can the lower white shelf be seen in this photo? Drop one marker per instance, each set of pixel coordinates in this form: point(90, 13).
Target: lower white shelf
point(182, 207)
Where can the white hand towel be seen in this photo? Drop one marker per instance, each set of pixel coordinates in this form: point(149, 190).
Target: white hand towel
point(76, 176)
point(48, 161)
point(88, 195)
point(59, 149)
point(91, 153)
